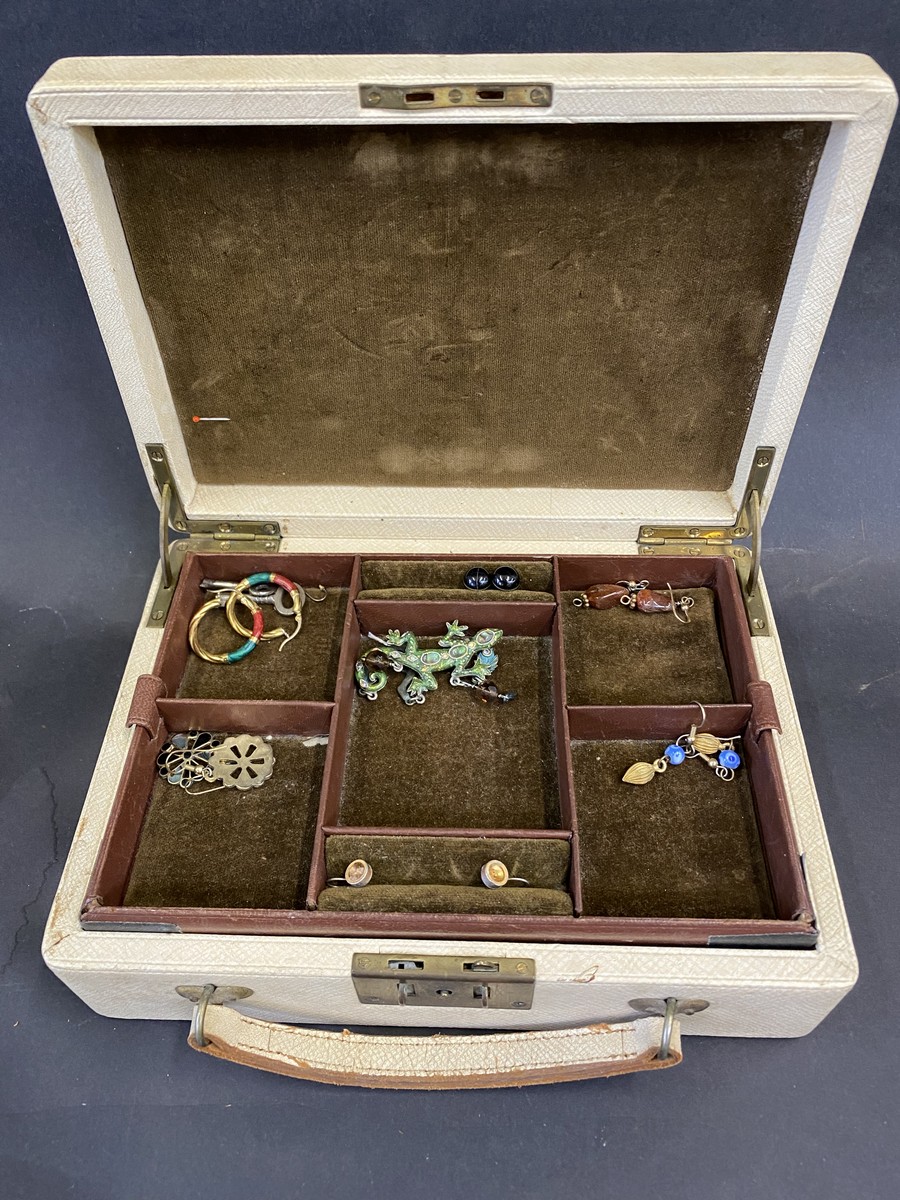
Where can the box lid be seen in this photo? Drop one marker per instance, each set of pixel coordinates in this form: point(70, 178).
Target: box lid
point(569, 300)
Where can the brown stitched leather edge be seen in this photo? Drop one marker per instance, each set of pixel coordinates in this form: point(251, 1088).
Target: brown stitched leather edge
point(764, 714)
point(298, 1069)
point(143, 711)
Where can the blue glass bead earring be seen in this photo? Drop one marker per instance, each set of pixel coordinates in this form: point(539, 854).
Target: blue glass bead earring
point(718, 754)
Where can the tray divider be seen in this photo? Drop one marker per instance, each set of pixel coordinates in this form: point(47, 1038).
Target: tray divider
point(430, 617)
point(734, 631)
point(627, 931)
point(782, 858)
point(567, 804)
point(338, 738)
point(281, 717)
point(563, 835)
point(592, 722)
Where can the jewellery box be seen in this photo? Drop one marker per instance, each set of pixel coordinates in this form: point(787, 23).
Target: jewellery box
point(378, 321)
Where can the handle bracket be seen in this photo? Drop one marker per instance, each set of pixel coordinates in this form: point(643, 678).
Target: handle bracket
point(201, 996)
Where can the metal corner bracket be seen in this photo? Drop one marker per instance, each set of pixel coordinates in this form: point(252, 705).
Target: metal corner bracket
point(697, 540)
point(231, 536)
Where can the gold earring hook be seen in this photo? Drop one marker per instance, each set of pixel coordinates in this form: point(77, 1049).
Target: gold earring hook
point(679, 610)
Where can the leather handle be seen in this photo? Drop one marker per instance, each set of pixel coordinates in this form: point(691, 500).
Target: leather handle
point(436, 1062)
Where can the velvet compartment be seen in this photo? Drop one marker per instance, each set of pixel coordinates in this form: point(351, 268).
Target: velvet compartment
point(305, 669)
point(443, 874)
point(231, 849)
point(620, 656)
point(686, 844)
point(456, 761)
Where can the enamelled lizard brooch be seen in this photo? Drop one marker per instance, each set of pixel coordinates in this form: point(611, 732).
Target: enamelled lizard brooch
point(470, 661)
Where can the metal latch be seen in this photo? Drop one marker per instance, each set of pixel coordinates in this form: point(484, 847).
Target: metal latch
point(697, 540)
point(444, 981)
point(227, 535)
point(456, 95)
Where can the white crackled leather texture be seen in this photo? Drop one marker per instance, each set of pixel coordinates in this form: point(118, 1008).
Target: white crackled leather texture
point(486, 1060)
point(752, 993)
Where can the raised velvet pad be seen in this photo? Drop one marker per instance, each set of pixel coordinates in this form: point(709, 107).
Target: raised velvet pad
point(544, 862)
point(422, 574)
point(231, 849)
point(417, 898)
point(305, 670)
point(684, 845)
point(455, 762)
point(455, 595)
point(442, 874)
point(617, 656)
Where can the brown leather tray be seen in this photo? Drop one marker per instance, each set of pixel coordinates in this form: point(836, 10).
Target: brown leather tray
point(754, 823)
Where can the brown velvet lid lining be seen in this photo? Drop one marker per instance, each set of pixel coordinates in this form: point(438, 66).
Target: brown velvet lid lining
point(582, 305)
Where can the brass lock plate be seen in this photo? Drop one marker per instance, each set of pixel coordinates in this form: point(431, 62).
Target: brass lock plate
point(444, 981)
point(418, 96)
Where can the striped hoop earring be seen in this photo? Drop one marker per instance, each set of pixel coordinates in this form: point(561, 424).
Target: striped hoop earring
point(296, 594)
point(253, 635)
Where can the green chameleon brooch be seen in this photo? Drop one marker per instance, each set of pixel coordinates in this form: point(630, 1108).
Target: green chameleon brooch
point(470, 660)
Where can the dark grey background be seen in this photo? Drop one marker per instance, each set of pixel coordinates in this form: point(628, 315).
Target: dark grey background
point(96, 1108)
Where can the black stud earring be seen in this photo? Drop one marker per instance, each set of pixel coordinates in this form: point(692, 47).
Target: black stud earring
point(476, 579)
point(505, 579)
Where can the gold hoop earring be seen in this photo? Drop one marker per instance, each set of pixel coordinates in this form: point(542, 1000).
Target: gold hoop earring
point(253, 635)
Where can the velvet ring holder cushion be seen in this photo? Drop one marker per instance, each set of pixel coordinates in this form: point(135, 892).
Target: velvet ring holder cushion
point(443, 875)
point(444, 579)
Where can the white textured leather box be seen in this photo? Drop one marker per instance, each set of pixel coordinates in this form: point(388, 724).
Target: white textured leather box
point(751, 992)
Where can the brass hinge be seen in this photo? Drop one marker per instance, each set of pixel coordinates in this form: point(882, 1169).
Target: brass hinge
point(228, 535)
point(696, 540)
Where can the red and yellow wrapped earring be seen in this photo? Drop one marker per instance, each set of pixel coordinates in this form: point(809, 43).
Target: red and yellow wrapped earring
point(295, 592)
point(252, 635)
